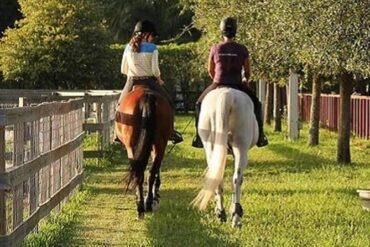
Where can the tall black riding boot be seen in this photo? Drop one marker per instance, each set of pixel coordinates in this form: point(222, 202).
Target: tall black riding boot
point(197, 142)
point(262, 139)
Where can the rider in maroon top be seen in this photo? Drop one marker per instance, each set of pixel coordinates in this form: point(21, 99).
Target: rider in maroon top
point(226, 62)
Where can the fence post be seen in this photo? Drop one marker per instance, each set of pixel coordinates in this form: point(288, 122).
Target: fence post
point(106, 124)
point(262, 92)
point(99, 121)
point(293, 106)
point(2, 191)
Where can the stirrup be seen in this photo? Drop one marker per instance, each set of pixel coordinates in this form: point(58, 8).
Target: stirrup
point(262, 141)
point(176, 137)
point(197, 142)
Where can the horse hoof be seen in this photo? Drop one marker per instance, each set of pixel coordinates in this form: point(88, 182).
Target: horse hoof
point(148, 204)
point(221, 214)
point(140, 216)
point(155, 205)
point(236, 221)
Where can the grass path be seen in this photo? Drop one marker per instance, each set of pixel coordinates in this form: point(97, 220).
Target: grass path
point(293, 195)
point(106, 217)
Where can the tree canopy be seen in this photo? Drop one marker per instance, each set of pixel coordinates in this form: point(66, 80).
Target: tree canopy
point(59, 43)
point(330, 36)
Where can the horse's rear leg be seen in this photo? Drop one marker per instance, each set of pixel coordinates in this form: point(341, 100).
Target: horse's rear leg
point(140, 194)
point(240, 157)
point(152, 190)
point(220, 210)
point(156, 198)
point(152, 199)
point(138, 176)
point(140, 200)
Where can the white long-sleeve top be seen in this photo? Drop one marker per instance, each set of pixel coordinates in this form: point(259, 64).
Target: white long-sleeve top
point(143, 63)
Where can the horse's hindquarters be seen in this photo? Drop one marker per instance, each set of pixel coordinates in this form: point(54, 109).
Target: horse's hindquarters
point(144, 123)
point(225, 112)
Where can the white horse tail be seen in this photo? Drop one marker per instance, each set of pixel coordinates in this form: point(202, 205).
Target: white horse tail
point(216, 166)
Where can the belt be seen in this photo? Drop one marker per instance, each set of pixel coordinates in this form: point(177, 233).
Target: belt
point(142, 77)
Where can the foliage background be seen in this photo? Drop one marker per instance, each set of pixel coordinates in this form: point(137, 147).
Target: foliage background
point(70, 45)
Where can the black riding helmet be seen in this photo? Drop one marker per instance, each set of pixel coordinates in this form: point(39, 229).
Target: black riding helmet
point(228, 27)
point(145, 26)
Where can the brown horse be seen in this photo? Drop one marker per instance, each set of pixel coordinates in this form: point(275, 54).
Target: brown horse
point(144, 122)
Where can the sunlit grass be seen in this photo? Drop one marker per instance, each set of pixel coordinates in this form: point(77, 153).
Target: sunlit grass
point(293, 195)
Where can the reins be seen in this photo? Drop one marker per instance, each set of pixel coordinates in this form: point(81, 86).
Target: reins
point(182, 132)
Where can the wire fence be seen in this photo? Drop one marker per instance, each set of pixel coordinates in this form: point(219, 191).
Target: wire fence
point(40, 163)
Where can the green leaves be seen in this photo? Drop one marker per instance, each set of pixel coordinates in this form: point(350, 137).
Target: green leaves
point(329, 36)
point(59, 44)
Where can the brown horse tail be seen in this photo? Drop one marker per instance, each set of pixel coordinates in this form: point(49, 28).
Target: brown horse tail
point(143, 145)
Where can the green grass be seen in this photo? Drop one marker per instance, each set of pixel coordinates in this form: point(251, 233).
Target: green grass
point(293, 195)
point(57, 229)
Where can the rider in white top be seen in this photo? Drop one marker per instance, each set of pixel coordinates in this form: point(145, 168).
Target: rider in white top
point(143, 63)
point(140, 64)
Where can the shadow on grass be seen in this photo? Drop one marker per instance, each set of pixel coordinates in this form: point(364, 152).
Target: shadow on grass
point(175, 162)
point(177, 224)
point(297, 161)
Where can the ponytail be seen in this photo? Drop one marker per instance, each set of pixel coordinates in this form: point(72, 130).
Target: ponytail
point(137, 39)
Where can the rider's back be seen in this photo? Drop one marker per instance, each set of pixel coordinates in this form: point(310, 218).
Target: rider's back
point(142, 63)
point(229, 58)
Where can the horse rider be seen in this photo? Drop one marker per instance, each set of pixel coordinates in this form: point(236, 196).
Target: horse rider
point(140, 64)
point(226, 62)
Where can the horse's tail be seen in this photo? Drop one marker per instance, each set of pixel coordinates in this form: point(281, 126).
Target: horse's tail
point(216, 167)
point(143, 145)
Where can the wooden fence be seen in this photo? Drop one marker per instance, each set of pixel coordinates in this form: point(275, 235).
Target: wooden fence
point(99, 110)
point(100, 116)
point(329, 112)
point(40, 164)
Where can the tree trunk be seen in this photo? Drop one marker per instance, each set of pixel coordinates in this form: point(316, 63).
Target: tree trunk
point(315, 111)
point(344, 130)
point(268, 104)
point(277, 108)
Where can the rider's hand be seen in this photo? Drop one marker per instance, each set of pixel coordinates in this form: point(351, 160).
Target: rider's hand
point(160, 81)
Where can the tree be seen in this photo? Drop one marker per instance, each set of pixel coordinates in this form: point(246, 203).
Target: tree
point(337, 45)
point(313, 139)
point(59, 44)
point(269, 102)
point(277, 107)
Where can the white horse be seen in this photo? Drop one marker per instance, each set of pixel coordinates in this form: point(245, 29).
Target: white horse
point(226, 119)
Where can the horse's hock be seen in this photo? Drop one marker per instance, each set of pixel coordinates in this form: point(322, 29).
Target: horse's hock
point(41, 152)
